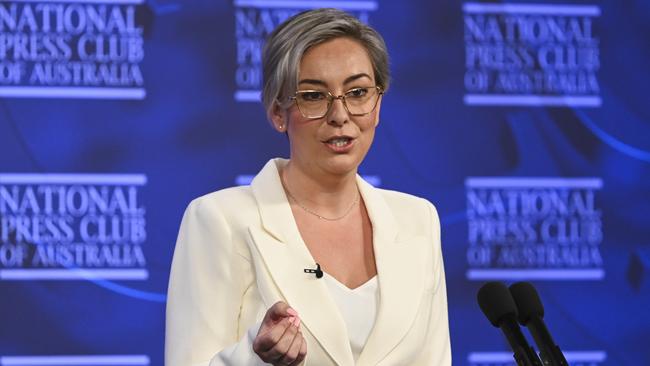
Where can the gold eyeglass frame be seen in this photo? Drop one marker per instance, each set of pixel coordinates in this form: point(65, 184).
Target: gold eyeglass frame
point(331, 98)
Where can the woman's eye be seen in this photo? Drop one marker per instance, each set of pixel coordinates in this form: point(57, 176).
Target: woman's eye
point(312, 96)
point(357, 93)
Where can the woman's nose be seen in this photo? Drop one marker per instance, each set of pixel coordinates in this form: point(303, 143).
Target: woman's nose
point(338, 114)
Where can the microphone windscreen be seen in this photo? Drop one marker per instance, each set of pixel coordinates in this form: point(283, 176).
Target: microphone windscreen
point(527, 300)
point(495, 300)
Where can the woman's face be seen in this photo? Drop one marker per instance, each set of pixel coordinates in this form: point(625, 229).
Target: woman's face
point(336, 143)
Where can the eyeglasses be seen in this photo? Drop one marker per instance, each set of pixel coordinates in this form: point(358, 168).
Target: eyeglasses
point(315, 104)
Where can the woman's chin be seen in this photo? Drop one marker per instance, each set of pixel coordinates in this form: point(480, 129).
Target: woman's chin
point(342, 164)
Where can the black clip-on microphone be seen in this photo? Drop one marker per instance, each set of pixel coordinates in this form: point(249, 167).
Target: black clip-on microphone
point(316, 271)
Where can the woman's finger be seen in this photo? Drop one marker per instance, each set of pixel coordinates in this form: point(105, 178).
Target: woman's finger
point(277, 333)
point(294, 350)
point(302, 353)
point(264, 342)
point(278, 311)
point(277, 352)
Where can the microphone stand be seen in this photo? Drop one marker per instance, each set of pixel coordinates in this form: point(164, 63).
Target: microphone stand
point(523, 356)
point(549, 352)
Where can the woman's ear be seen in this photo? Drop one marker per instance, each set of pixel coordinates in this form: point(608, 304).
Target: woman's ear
point(279, 118)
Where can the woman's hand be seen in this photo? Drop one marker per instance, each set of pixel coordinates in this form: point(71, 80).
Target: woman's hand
point(279, 340)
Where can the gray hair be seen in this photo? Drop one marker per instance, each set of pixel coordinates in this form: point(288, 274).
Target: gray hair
point(290, 40)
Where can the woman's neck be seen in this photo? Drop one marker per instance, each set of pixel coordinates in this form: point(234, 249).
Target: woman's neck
point(327, 194)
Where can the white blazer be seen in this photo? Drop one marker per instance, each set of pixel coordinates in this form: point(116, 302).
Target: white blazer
point(239, 251)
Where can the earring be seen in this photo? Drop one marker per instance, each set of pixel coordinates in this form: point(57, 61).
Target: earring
point(281, 127)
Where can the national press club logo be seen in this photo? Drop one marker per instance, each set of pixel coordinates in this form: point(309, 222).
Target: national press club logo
point(256, 19)
point(533, 229)
point(72, 227)
point(524, 54)
point(71, 49)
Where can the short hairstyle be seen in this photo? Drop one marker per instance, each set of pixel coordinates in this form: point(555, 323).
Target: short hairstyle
point(290, 40)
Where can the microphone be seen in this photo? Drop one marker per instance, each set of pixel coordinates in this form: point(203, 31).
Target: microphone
point(531, 315)
point(316, 271)
point(500, 309)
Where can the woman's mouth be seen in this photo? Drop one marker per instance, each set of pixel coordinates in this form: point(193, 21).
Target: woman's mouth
point(340, 144)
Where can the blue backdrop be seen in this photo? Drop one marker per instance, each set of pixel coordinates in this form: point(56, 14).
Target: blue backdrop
point(525, 123)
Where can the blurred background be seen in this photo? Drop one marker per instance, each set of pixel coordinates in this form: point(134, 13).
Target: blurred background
point(525, 123)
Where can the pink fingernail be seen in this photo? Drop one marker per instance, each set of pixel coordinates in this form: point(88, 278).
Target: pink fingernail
point(296, 322)
point(292, 312)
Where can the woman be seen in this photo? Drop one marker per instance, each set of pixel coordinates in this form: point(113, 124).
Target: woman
point(246, 285)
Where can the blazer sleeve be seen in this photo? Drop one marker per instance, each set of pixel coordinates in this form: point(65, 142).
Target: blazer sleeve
point(208, 279)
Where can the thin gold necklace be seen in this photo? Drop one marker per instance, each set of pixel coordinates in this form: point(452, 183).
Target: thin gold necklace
point(347, 212)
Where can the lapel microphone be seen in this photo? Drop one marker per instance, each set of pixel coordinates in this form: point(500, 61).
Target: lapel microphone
point(316, 271)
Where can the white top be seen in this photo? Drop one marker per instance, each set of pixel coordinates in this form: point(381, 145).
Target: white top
point(358, 307)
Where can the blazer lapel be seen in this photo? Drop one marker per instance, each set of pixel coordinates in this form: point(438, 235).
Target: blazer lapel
point(285, 256)
point(400, 275)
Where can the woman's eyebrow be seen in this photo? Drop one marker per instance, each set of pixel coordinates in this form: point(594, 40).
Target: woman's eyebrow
point(312, 81)
point(354, 77)
point(348, 80)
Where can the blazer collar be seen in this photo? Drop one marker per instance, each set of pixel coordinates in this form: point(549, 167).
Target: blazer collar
point(399, 259)
point(286, 255)
point(275, 212)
